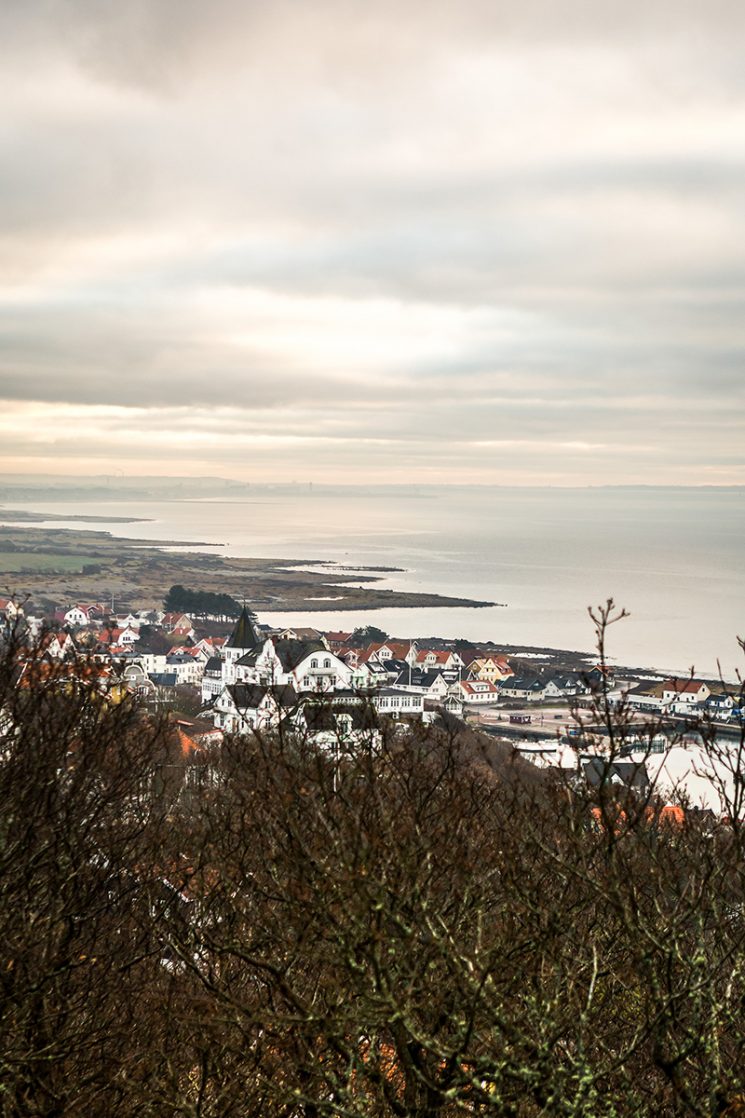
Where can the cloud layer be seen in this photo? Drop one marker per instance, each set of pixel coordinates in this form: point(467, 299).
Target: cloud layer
point(481, 241)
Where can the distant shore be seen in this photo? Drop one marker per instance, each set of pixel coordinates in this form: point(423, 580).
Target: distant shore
point(66, 565)
point(23, 516)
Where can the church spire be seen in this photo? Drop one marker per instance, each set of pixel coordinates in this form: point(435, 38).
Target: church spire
point(244, 634)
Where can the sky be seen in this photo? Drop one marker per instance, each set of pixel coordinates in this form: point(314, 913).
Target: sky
point(452, 241)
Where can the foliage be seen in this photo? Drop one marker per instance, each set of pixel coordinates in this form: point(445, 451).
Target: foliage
point(367, 634)
point(201, 603)
point(83, 907)
point(418, 927)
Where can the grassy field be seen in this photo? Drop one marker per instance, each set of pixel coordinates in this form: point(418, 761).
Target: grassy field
point(14, 562)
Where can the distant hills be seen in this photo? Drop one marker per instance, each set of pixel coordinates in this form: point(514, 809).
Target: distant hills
point(15, 488)
point(106, 487)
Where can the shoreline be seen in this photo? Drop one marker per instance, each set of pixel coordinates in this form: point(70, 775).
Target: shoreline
point(25, 517)
point(138, 572)
point(68, 564)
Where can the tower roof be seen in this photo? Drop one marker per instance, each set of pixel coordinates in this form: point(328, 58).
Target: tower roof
point(244, 635)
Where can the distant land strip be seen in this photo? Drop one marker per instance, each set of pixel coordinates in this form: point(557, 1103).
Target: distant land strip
point(22, 515)
point(62, 565)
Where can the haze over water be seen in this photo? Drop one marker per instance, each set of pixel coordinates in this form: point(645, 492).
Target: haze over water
point(672, 557)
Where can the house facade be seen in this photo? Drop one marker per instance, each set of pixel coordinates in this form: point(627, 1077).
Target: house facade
point(476, 692)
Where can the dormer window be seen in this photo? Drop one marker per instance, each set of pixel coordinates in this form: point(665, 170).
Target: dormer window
point(314, 663)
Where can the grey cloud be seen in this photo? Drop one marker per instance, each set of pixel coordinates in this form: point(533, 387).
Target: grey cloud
point(585, 252)
point(154, 42)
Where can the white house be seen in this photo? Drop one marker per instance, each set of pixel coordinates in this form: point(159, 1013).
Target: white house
point(242, 707)
point(476, 691)
point(11, 609)
point(76, 616)
point(442, 659)
point(57, 646)
point(245, 638)
point(212, 682)
point(185, 668)
point(308, 665)
point(563, 686)
point(127, 637)
point(394, 702)
point(137, 680)
point(528, 690)
point(333, 725)
point(684, 693)
point(720, 705)
point(369, 674)
point(129, 622)
point(154, 663)
point(393, 650)
point(432, 685)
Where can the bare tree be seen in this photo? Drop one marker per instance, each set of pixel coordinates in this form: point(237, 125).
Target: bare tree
point(84, 904)
point(415, 925)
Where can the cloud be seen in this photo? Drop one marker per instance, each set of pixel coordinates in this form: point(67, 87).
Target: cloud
point(489, 236)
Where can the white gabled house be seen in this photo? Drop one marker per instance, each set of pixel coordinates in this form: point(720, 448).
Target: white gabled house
point(432, 684)
point(476, 691)
point(10, 609)
point(333, 724)
point(242, 707)
point(369, 674)
point(307, 665)
point(57, 646)
point(440, 659)
point(131, 621)
point(83, 614)
point(721, 705)
point(564, 686)
point(682, 694)
point(76, 617)
point(393, 650)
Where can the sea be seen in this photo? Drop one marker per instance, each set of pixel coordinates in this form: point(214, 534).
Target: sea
point(671, 557)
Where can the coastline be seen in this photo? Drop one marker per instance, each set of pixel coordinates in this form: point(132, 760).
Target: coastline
point(548, 589)
point(67, 564)
point(25, 517)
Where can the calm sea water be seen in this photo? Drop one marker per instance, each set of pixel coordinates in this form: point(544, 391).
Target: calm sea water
point(672, 557)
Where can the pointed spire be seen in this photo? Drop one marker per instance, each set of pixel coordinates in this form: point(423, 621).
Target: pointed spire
point(244, 634)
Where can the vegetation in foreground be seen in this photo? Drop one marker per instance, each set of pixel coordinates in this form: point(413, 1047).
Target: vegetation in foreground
point(405, 926)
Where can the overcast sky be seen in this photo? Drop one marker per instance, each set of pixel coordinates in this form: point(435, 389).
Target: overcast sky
point(329, 240)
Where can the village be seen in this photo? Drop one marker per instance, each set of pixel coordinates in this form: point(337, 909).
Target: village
point(220, 676)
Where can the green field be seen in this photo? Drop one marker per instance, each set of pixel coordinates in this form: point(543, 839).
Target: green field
point(14, 562)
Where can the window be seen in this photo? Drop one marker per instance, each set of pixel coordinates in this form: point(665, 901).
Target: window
point(327, 663)
point(314, 663)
